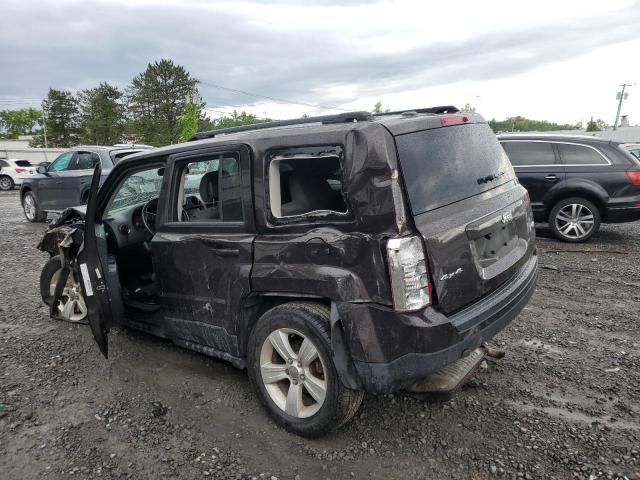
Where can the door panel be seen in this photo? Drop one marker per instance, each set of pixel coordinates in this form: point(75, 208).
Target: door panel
point(50, 187)
point(538, 169)
point(98, 273)
point(203, 279)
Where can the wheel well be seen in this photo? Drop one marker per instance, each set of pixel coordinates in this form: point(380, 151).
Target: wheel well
point(256, 306)
point(23, 192)
point(592, 197)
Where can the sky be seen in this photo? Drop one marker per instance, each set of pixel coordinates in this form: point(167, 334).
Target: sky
point(559, 60)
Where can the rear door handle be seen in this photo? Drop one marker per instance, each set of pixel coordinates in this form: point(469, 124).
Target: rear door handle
point(225, 252)
point(59, 182)
point(551, 178)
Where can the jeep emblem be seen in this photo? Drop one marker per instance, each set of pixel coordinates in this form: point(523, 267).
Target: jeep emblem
point(506, 218)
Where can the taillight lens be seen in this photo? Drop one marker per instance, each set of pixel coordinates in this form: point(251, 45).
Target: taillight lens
point(408, 272)
point(21, 170)
point(453, 120)
point(634, 177)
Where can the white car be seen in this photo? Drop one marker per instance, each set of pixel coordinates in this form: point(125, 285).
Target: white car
point(13, 171)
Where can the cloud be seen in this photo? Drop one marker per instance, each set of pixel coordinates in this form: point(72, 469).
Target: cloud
point(320, 52)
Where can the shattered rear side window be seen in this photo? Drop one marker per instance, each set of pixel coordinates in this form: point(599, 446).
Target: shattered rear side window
point(304, 185)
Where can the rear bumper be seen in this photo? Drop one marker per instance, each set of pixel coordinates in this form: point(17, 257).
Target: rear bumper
point(391, 350)
point(622, 214)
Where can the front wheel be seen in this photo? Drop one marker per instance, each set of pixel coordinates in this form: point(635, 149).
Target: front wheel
point(574, 220)
point(291, 370)
point(31, 209)
point(6, 183)
point(71, 307)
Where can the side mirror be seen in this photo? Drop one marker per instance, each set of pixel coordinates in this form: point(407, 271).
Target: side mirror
point(42, 169)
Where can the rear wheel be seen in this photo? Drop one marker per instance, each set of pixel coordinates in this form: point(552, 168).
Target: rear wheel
point(291, 369)
point(31, 208)
point(71, 307)
point(6, 183)
point(574, 220)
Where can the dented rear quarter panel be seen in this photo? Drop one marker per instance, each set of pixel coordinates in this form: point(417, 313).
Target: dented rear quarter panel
point(342, 258)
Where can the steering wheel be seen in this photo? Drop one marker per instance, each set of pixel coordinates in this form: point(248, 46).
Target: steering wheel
point(148, 215)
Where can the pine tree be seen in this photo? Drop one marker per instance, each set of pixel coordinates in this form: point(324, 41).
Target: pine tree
point(62, 120)
point(158, 98)
point(102, 115)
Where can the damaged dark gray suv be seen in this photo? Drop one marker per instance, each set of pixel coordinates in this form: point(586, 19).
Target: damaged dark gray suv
point(328, 256)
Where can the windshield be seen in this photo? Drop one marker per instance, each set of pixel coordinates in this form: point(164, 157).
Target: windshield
point(138, 188)
point(445, 165)
point(23, 163)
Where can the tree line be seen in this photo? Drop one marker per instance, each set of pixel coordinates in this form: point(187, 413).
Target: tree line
point(161, 106)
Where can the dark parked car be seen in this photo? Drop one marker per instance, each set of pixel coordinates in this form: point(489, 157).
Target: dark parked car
point(575, 183)
point(65, 182)
point(349, 253)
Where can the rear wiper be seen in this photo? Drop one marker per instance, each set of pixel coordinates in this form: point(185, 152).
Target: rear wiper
point(490, 178)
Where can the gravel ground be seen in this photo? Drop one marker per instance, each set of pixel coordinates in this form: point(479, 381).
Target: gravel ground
point(564, 402)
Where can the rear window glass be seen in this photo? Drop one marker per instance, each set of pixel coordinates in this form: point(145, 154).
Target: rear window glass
point(445, 165)
point(579, 155)
point(530, 153)
point(23, 163)
point(120, 155)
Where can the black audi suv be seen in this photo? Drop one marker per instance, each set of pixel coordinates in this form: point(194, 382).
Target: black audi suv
point(576, 182)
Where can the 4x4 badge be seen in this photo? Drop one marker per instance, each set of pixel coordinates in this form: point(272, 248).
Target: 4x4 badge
point(506, 218)
point(448, 276)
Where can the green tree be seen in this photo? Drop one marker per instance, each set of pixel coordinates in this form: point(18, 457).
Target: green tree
point(158, 98)
point(14, 123)
point(62, 120)
point(592, 126)
point(522, 124)
point(236, 120)
point(102, 115)
point(189, 122)
point(377, 108)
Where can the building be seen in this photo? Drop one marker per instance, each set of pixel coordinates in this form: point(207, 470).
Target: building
point(20, 149)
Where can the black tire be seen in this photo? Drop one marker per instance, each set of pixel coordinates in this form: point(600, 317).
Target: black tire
point(311, 320)
point(35, 216)
point(50, 268)
point(587, 210)
point(6, 183)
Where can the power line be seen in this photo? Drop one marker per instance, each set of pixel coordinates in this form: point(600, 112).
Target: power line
point(275, 99)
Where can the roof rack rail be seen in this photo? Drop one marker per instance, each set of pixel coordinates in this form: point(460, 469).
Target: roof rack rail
point(436, 110)
point(346, 117)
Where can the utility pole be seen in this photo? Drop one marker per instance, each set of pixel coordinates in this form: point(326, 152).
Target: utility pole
point(44, 125)
point(620, 96)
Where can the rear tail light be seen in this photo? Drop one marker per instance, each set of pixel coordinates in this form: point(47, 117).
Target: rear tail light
point(634, 177)
point(21, 170)
point(410, 285)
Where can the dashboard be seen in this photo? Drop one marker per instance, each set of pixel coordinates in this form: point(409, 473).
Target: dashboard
point(125, 228)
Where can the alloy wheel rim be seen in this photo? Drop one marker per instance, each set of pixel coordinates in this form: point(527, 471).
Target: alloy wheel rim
point(575, 221)
point(29, 207)
point(71, 306)
point(293, 373)
point(5, 183)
